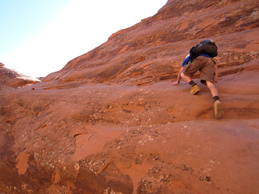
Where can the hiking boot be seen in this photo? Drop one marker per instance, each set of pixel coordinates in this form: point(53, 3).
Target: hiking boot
point(195, 89)
point(218, 109)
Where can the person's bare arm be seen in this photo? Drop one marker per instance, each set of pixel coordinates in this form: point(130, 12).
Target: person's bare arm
point(216, 74)
point(178, 77)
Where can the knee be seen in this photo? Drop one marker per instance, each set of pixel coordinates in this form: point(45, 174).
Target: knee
point(209, 84)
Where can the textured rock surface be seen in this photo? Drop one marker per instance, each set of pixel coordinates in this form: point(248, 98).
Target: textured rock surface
point(153, 49)
point(91, 128)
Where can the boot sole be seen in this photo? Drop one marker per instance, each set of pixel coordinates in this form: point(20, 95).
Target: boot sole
point(219, 111)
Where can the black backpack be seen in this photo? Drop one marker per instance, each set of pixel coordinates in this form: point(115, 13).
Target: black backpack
point(205, 47)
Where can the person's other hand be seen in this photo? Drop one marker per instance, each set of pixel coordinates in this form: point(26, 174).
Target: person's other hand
point(175, 83)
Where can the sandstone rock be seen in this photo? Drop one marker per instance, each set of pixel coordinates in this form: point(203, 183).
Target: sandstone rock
point(90, 128)
point(154, 49)
point(129, 139)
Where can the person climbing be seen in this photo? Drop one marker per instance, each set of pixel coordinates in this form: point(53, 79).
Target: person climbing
point(201, 59)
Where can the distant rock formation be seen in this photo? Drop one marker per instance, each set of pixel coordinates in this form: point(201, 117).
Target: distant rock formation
point(12, 78)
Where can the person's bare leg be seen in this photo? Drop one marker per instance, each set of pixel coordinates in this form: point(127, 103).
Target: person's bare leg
point(212, 88)
point(186, 78)
point(195, 89)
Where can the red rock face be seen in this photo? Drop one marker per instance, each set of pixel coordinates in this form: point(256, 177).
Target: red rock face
point(90, 128)
point(153, 49)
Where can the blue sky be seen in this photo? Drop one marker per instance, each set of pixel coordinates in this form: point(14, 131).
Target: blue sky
point(20, 19)
point(39, 37)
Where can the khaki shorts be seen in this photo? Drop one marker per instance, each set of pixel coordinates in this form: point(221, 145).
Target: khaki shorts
point(205, 65)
